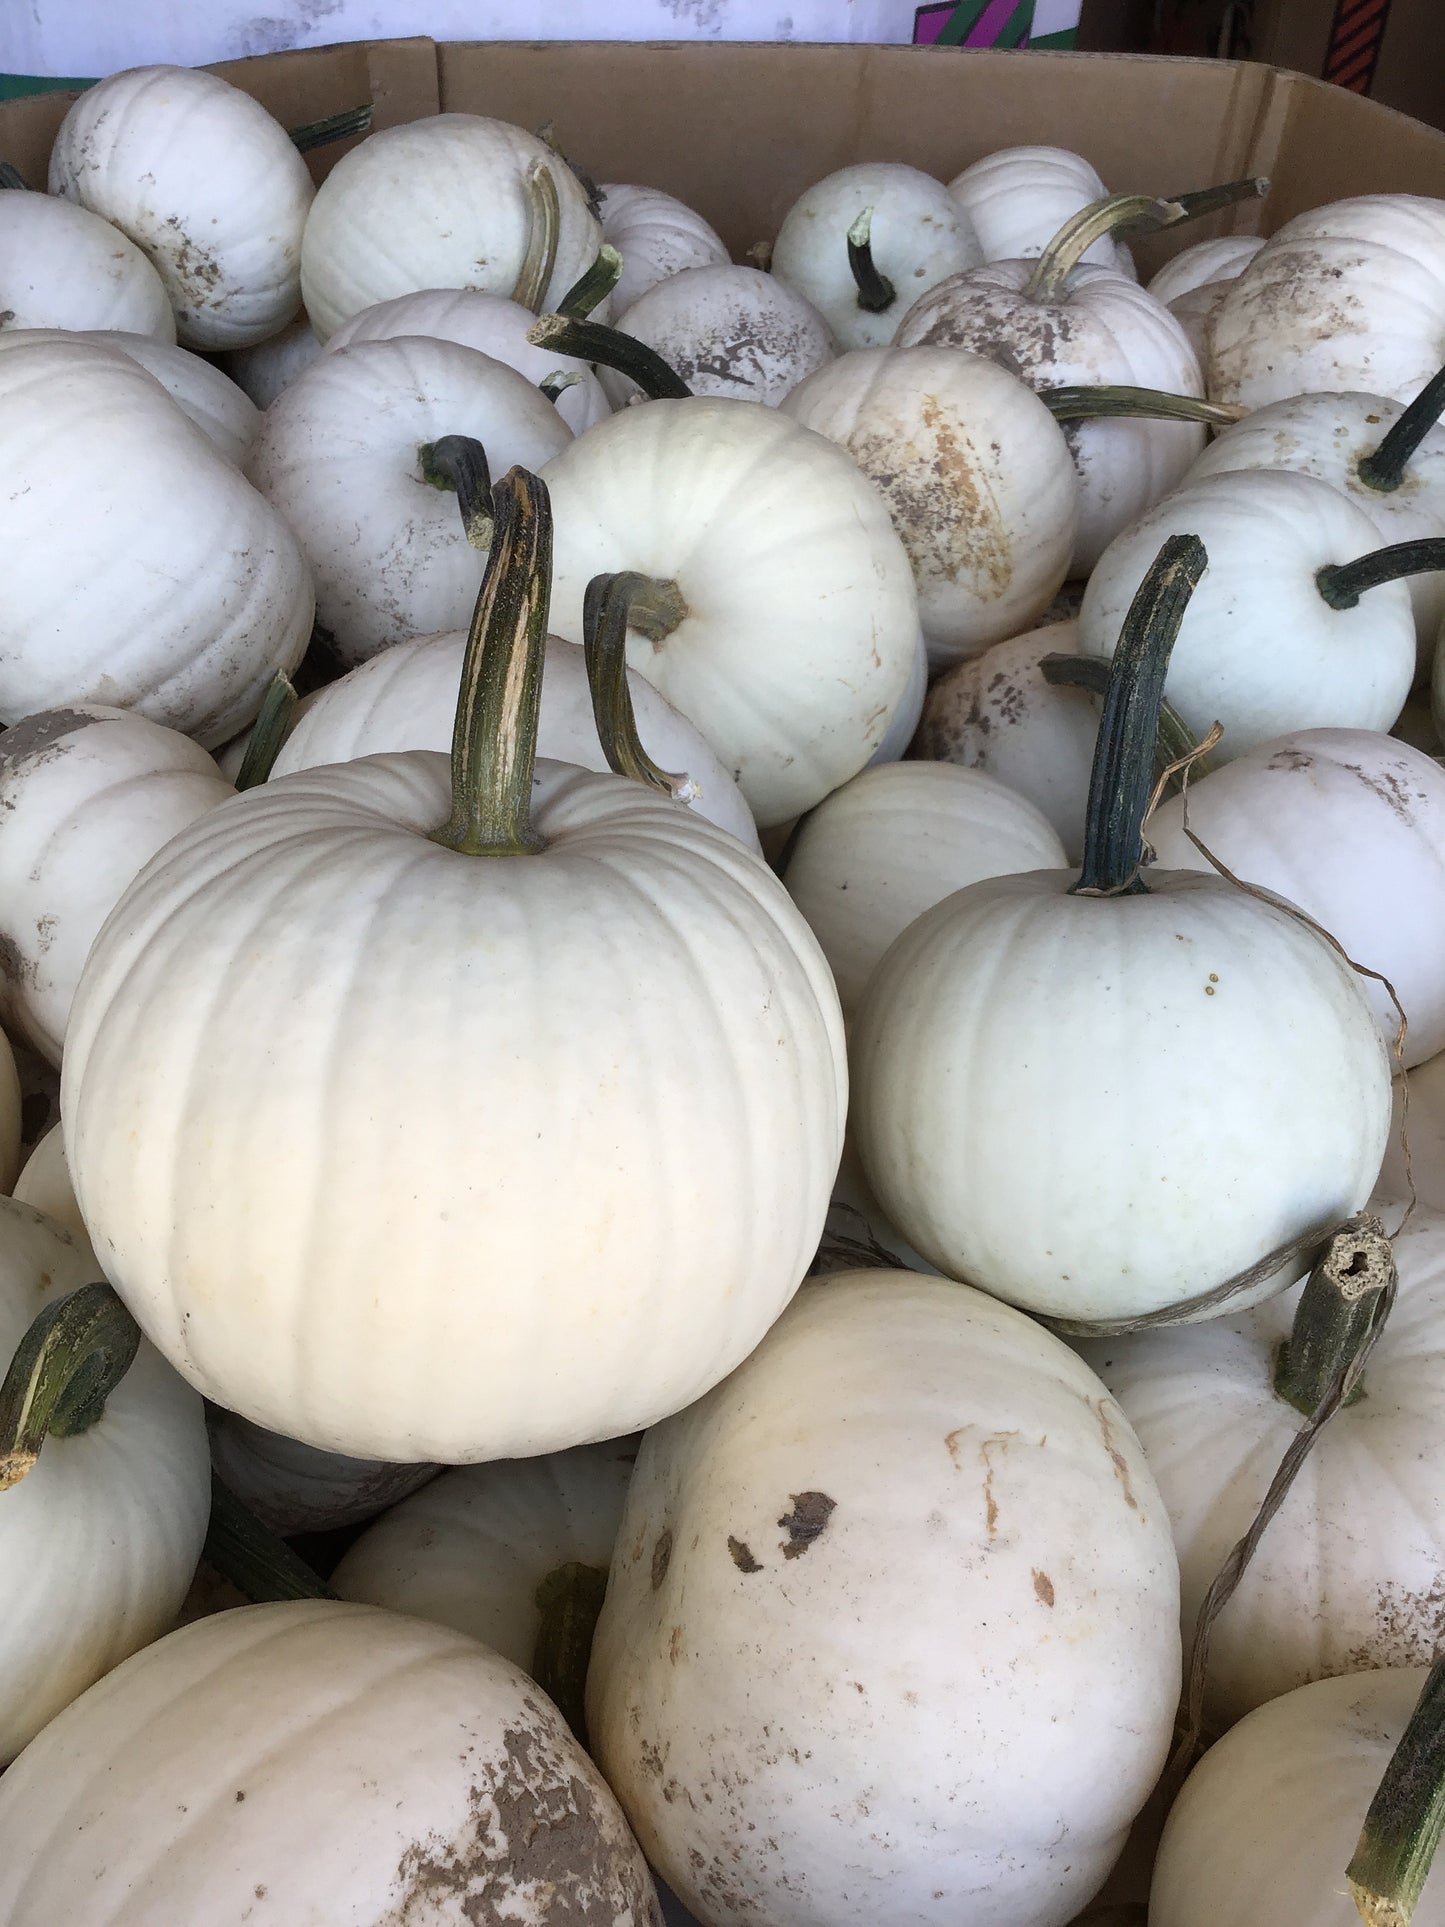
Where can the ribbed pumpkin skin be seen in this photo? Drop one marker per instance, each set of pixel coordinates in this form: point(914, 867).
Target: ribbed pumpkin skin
point(294, 1488)
point(656, 235)
point(445, 1157)
point(1019, 197)
point(64, 267)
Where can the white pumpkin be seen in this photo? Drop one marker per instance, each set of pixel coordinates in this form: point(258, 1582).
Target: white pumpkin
point(1019, 197)
point(338, 454)
point(1261, 651)
point(10, 1117)
point(828, 1648)
point(206, 183)
point(264, 371)
point(44, 1184)
point(1347, 298)
point(486, 1803)
point(176, 590)
point(797, 636)
point(918, 235)
point(657, 235)
point(997, 713)
point(896, 840)
point(1349, 825)
point(900, 731)
point(977, 476)
point(1205, 264)
point(100, 1537)
point(63, 267)
point(293, 1488)
point(488, 322)
point(1316, 1755)
point(1422, 1131)
point(87, 796)
point(471, 1549)
point(406, 698)
point(734, 332)
point(441, 202)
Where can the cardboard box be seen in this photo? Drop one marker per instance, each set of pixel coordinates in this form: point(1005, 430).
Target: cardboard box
point(739, 130)
point(1394, 50)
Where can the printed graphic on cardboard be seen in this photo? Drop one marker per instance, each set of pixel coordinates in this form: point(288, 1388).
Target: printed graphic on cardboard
point(997, 23)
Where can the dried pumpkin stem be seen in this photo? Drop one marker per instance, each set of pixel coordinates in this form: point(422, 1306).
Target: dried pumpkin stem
point(593, 285)
point(1127, 214)
point(1175, 740)
point(335, 127)
point(1139, 404)
point(555, 385)
point(1122, 779)
point(570, 1600)
point(252, 1557)
point(1406, 1817)
point(593, 341)
point(1336, 1317)
point(535, 275)
point(11, 176)
point(72, 1357)
point(459, 462)
point(1385, 468)
point(494, 743)
point(612, 605)
point(1343, 583)
point(268, 732)
point(876, 293)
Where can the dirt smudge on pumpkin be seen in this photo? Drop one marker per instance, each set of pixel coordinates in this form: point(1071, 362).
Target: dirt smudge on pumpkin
point(1392, 790)
point(674, 1646)
point(805, 1523)
point(1408, 1630)
point(1043, 1587)
point(661, 1559)
point(37, 738)
point(1116, 1457)
point(742, 1555)
point(13, 967)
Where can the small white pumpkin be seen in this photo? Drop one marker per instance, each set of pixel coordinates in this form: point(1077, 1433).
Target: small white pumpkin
point(828, 1648)
point(264, 371)
point(734, 332)
point(98, 1540)
point(657, 235)
point(1205, 264)
point(441, 202)
point(339, 455)
point(87, 797)
point(63, 267)
point(977, 476)
point(917, 235)
point(206, 183)
point(421, 1778)
point(1019, 197)
point(896, 840)
point(44, 1184)
point(293, 1488)
point(10, 1118)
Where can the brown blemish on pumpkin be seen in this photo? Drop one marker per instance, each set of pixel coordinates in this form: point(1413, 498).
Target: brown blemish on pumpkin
point(742, 1556)
point(1043, 1588)
point(1408, 1630)
point(661, 1559)
point(38, 737)
point(810, 1514)
point(674, 1645)
point(1116, 1457)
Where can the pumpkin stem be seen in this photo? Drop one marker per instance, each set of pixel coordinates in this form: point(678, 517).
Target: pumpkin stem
point(876, 292)
point(612, 605)
point(459, 462)
point(1122, 779)
point(1343, 583)
point(593, 285)
point(1127, 214)
point(535, 274)
point(11, 176)
point(1147, 404)
point(75, 1353)
point(1406, 1817)
point(1385, 468)
point(593, 341)
point(570, 1600)
point(335, 127)
point(494, 742)
point(1175, 740)
point(268, 732)
point(251, 1556)
point(1336, 1317)
point(555, 385)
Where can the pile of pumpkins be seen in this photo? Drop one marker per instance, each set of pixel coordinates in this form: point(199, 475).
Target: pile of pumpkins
point(695, 1201)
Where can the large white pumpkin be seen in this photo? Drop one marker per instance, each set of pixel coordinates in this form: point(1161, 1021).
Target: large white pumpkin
point(1019, 197)
point(734, 332)
point(920, 1668)
point(317, 1761)
point(63, 267)
point(1204, 265)
point(206, 183)
point(657, 236)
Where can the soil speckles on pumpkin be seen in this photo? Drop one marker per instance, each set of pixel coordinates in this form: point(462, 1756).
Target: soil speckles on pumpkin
point(810, 1514)
point(742, 1556)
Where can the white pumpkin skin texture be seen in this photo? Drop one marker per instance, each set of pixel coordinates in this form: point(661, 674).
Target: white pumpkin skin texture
point(1349, 825)
point(1260, 650)
point(293, 1488)
point(1345, 298)
point(176, 1800)
point(1205, 264)
point(801, 634)
point(1426, 1127)
point(732, 332)
point(206, 183)
point(1316, 1755)
point(896, 840)
point(99, 1540)
point(63, 267)
point(436, 203)
point(406, 698)
point(1019, 197)
point(1103, 329)
point(1204, 1084)
point(338, 454)
point(997, 713)
point(266, 370)
point(894, 746)
point(657, 235)
point(44, 1184)
point(920, 234)
point(471, 1549)
point(827, 1646)
point(230, 1207)
point(10, 1117)
point(977, 476)
point(178, 591)
point(87, 796)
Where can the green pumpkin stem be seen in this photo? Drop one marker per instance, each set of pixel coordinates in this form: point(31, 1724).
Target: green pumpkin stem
point(72, 1357)
point(1174, 742)
point(1122, 780)
point(570, 1600)
point(252, 1557)
point(494, 743)
point(1343, 583)
point(1406, 1817)
point(1385, 468)
point(268, 732)
point(11, 176)
point(1337, 1318)
point(594, 341)
point(555, 385)
point(335, 127)
point(612, 605)
point(535, 274)
point(1137, 404)
point(593, 285)
point(459, 463)
point(876, 293)
point(1127, 214)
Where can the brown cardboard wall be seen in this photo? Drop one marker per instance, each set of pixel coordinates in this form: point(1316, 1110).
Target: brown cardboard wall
point(1411, 73)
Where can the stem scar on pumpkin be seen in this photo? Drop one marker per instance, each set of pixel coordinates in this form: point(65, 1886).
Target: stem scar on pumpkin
point(75, 1352)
